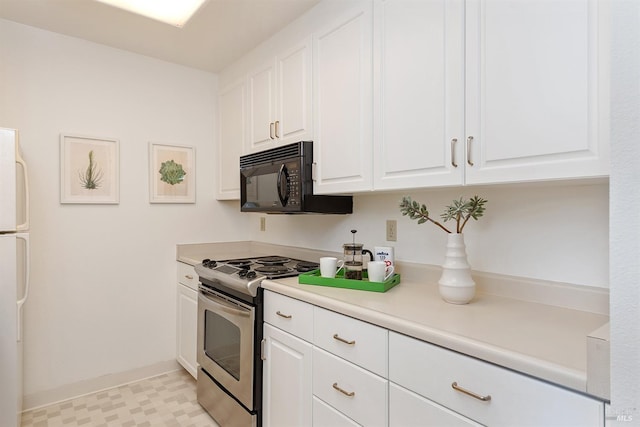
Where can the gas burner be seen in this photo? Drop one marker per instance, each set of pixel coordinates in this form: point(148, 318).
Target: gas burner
point(240, 263)
point(272, 269)
point(272, 260)
point(304, 266)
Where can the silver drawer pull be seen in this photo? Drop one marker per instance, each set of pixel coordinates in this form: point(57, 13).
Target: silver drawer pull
point(346, 393)
point(339, 338)
point(286, 316)
point(456, 387)
point(188, 276)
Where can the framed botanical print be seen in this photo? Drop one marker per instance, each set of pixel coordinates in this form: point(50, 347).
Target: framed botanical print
point(89, 169)
point(172, 174)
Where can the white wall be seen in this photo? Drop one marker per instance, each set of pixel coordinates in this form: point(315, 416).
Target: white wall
point(625, 208)
point(103, 276)
point(556, 232)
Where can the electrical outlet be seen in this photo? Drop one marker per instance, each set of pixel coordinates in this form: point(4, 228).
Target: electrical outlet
point(263, 223)
point(392, 230)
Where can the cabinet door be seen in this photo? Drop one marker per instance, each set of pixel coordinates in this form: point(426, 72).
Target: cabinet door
point(262, 106)
point(187, 317)
point(407, 409)
point(418, 93)
point(287, 376)
point(536, 90)
point(343, 107)
point(231, 124)
point(294, 119)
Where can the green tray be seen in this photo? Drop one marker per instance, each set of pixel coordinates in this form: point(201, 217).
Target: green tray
point(314, 278)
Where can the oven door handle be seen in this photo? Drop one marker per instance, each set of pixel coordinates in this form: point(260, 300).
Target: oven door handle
point(223, 304)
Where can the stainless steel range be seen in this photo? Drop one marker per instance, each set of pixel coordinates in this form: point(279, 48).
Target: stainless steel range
point(230, 317)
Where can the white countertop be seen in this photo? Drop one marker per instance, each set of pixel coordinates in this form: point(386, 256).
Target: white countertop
point(532, 327)
point(544, 341)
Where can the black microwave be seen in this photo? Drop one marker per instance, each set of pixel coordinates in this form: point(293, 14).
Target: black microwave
point(279, 180)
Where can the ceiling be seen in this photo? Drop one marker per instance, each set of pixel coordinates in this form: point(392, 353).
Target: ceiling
point(218, 34)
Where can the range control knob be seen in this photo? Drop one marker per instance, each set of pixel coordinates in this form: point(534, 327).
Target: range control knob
point(242, 273)
point(209, 263)
point(251, 274)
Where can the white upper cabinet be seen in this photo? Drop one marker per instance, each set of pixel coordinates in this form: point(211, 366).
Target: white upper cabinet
point(536, 90)
point(262, 110)
point(418, 93)
point(489, 91)
point(280, 99)
point(343, 110)
point(231, 136)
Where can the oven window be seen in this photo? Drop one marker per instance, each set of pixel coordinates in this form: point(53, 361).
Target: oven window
point(222, 343)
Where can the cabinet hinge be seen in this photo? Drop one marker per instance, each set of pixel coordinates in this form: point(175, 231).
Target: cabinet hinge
point(314, 166)
point(262, 356)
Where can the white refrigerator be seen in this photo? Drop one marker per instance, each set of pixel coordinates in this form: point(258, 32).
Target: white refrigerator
point(14, 273)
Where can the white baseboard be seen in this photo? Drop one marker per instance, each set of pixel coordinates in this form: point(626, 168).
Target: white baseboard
point(81, 388)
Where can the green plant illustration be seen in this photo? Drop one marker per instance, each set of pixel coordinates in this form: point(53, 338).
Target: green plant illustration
point(461, 210)
point(91, 178)
point(171, 172)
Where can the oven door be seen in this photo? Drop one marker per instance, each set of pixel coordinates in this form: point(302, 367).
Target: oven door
point(225, 343)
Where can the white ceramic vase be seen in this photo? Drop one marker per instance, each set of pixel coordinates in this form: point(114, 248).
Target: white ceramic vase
point(456, 284)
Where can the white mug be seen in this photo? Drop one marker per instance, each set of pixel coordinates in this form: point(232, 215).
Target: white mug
point(383, 253)
point(379, 271)
point(329, 266)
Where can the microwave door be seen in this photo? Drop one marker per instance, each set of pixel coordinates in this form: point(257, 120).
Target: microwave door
point(264, 188)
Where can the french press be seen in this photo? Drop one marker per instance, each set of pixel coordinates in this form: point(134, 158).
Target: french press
point(353, 262)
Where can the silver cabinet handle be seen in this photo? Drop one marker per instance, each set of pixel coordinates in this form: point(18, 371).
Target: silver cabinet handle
point(456, 387)
point(339, 338)
point(277, 129)
point(454, 141)
point(469, 141)
point(286, 316)
point(188, 276)
point(346, 393)
point(271, 127)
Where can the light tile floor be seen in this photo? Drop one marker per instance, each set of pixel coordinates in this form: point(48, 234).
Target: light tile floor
point(166, 400)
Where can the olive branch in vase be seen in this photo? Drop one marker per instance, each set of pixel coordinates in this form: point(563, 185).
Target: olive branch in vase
point(461, 210)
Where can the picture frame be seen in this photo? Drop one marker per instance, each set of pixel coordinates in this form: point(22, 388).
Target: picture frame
point(89, 169)
point(172, 173)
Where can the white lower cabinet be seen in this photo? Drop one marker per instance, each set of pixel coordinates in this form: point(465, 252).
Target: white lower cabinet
point(286, 379)
point(408, 409)
point(325, 379)
point(483, 392)
point(187, 318)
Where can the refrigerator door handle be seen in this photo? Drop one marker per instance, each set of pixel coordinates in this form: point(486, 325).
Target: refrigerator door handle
point(25, 225)
point(27, 280)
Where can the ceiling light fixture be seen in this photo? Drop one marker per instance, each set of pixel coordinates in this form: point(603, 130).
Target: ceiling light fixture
point(173, 12)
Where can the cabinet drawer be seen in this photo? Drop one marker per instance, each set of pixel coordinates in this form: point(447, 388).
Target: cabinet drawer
point(326, 416)
point(356, 392)
point(359, 342)
point(407, 409)
point(187, 275)
point(289, 314)
point(431, 371)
